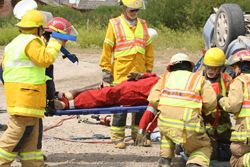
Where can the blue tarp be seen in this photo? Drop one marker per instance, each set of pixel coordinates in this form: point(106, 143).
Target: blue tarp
point(106, 110)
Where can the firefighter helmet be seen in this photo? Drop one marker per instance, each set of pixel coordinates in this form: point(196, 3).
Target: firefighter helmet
point(32, 19)
point(178, 58)
point(59, 24)
point(133, 4)
point(240, 56)
point(214, 57)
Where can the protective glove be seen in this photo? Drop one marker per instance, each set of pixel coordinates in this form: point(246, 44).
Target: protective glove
point(134, 76)
point(143, 139)
point(107, 76)
point(50, 109)
point(219, 96)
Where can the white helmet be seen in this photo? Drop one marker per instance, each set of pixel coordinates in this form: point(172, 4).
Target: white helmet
point(152, 33)
point(178, 58)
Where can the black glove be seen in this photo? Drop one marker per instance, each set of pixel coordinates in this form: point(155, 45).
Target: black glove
point(134, 76)
point(107, 76)
point(50, 109)
point(219, 96)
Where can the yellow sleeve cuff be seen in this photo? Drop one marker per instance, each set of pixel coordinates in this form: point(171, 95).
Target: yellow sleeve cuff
point(54, 47)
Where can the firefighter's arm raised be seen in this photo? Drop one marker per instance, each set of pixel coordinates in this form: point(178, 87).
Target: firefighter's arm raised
point(42, 55)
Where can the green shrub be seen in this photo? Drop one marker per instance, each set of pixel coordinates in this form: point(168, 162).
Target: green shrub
point(182, 39)
point(91, 37)
point(8, 32)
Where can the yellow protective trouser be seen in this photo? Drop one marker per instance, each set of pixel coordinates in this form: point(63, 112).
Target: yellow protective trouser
point(197, 147)
point(23, 137)
point(240, 154)
point(118, 126)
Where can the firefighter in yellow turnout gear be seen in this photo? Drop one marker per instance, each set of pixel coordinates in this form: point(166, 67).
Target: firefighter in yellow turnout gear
point(238, 103)
point(180, 96)
point(24, 62)
point(217, 121)
point(127, 48)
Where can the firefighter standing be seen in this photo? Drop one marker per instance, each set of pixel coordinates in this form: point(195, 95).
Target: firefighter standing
point(127, 48)
point(217, 122)
point(180, 96)
point(24, 62)
point(238, 103)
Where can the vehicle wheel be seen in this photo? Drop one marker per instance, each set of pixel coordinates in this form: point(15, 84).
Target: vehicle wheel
point(229, 24)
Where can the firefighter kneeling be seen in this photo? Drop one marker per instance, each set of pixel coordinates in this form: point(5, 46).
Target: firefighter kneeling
point(238, 103)
point(180, 96)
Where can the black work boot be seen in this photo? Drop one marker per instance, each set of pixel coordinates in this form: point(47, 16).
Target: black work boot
point(164, 162)
point(193, 165)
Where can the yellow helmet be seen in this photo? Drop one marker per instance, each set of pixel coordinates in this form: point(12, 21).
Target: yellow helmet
point(214, 57)
point(134, 4)
point(32, 19)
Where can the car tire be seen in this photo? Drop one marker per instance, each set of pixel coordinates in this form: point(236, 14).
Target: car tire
point(229, 24)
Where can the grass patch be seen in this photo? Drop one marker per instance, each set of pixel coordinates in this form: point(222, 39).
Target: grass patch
point(8, 32)
point(93, 37)
point(92, 28)
point(181, 39)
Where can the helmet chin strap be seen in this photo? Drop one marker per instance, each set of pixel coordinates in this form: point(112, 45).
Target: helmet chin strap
point(40, 31)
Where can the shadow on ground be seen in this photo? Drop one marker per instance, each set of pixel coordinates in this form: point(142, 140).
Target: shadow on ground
point(98, 159)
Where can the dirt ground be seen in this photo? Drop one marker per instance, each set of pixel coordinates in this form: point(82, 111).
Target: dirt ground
point(75, 154)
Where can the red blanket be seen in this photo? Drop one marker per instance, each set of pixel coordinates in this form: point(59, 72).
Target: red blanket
point(128, 93)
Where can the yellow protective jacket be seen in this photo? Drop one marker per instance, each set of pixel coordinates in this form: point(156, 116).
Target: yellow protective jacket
point(121, 66)
point(185, 116)
point(237, 102)
point(27, 98)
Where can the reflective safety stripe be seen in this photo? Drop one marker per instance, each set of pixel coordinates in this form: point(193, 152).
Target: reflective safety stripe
point(238, 136)
point(167, 144)
point(223, 86)
point(187, 115)
point(25, 156)
point(242, 135)
point(7, 155)
point(181, 94)
point(118, 130)
point(19, 64)
point(180, 103)
point(245, 109)
point(193, 81)
point(151, 109)
point(119, 31)
point(179, 97)
point(201, 155)
point(128, 42)
point(26, 111)
point(134, 128)
point(111, 43)
point(180, 124)
point(246, 160)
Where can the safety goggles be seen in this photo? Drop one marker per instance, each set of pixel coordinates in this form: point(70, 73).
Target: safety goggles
point(133, 10)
